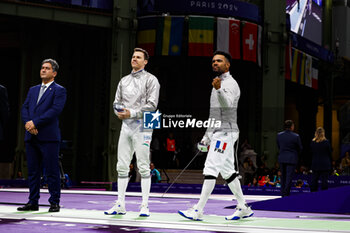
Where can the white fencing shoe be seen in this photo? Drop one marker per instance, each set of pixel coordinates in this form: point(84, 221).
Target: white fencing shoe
point(144, 211)
point(118, 208)
point(192, 213)
point(240, 213)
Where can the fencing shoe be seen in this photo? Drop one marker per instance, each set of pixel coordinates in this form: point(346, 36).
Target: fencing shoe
point(241, 212)
point(118, 208)
point(192, 213)
point(144, 211)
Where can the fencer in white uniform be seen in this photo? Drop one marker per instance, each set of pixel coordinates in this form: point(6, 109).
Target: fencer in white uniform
point(221, 155)
point(136, 93)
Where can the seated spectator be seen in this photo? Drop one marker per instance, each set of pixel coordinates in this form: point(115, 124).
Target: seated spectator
point(247, 171)
point(345, 164)
point(265, 181)
point(155, 175)
point(268, 181)
point(303, 170)
point(277, 179)
point(274, 170)
point(299, 184)
point(262, 170)
point(254, 182)
point(249, 154)
point(261, 180)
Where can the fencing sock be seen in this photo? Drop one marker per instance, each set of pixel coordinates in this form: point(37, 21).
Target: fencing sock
point(145, 189)
point(207, 189)
point(122, 184)
point(235, 187)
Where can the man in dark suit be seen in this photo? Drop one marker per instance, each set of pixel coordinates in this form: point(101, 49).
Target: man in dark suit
point(40, 112)
point(4, 111)
point(289, 146)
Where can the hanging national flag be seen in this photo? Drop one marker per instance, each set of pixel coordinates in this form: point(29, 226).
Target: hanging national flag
point(249, 41)
point(169, 35)
point(288, 60)
point(302, 69)
point(229, 37)
point(308, 71)
point(146, 35)
point(296, 62)
point(315, 73)
point(201, 36)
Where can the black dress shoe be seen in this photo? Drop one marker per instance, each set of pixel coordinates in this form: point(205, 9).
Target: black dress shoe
point(54, 208)
point(28, 207)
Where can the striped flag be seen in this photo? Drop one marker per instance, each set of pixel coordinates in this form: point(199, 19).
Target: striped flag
point(169, 35)
point(229, 37)
point(201, 36)
point(296, 62)
point(146, 35)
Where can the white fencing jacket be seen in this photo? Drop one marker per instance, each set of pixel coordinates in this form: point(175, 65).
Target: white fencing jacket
point(138, 92)
point(223, 106)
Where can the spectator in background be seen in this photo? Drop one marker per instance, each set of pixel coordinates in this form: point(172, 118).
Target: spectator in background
point(345, 164)
point(289, 146)
point(299, 183)
point(170, 147)
point(155, 175)
point(275, 169)
point(335, 168)
point(247, 171)
point(277, 179)
point(132, 173)
point(321, 160)
point(266, 181)
point(155, 151)
point(262, 170)
point(254, 182)
point(302, 170)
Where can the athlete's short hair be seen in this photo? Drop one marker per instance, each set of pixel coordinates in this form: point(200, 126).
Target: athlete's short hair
point(225, 54)
point(145, 53)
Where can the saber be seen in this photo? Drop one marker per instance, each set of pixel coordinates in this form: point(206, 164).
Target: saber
point(183, 170)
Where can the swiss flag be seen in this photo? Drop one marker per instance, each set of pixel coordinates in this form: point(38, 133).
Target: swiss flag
point(249, 40)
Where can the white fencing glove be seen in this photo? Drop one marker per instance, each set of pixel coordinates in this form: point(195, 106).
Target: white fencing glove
point(202, 147)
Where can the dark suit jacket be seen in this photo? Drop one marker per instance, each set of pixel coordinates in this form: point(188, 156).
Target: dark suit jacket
point(321, 156)
point(45, 113)
point(4, 111)
point(289, 145)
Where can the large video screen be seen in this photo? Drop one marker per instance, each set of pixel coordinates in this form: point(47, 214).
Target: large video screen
point(306, 18)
